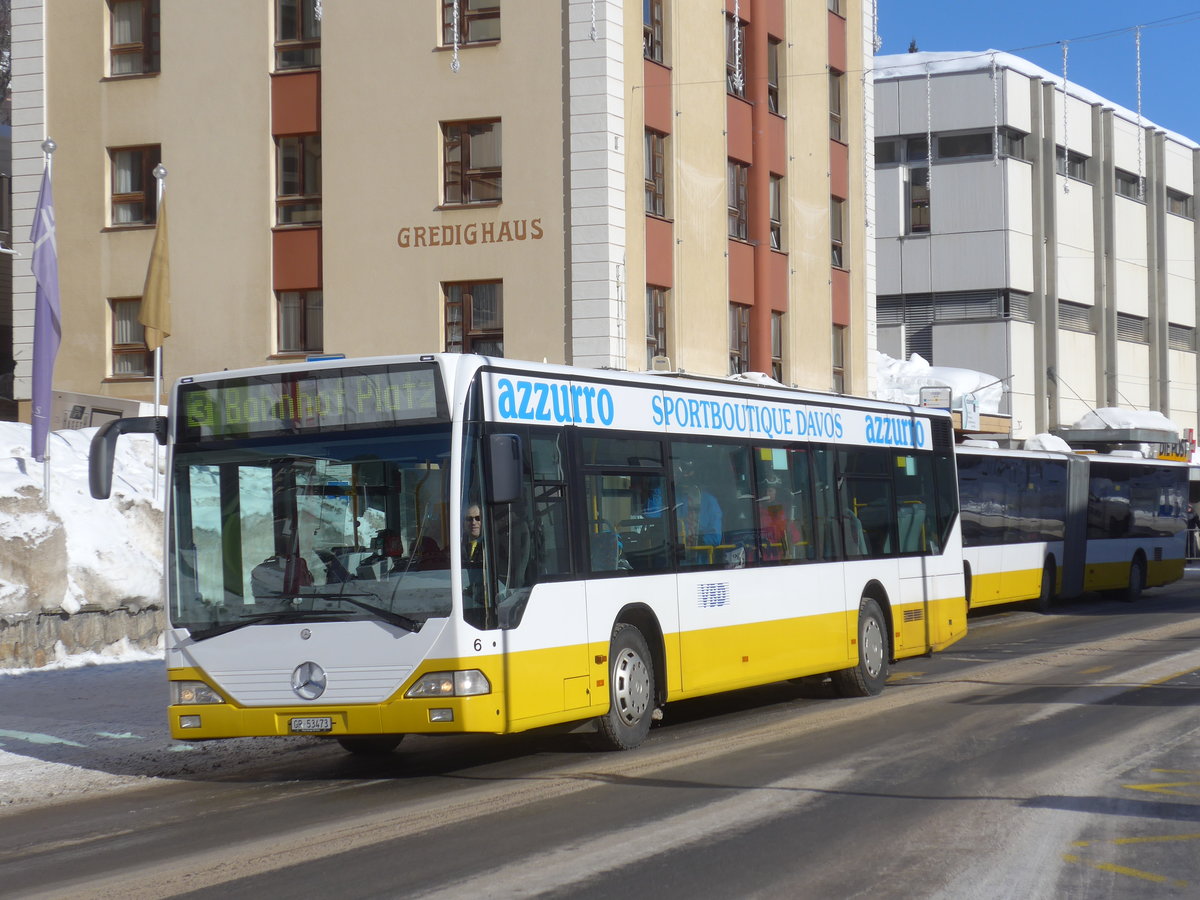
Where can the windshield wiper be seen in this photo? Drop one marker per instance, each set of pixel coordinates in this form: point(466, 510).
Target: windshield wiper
point(392, 618)
point(284, 615)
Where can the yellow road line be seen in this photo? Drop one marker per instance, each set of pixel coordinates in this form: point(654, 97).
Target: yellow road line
point(1094, 670)
point(1125, 870)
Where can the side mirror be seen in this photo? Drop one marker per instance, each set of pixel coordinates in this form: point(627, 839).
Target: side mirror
point(104, 448)
point(503, 468)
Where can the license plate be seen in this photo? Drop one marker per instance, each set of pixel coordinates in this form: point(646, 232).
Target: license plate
point(312, 724)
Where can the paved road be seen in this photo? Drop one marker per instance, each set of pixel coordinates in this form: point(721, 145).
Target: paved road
point(1052, 756)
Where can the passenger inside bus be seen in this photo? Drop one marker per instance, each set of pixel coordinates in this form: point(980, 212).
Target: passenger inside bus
point(780, 536)
point(387, 556)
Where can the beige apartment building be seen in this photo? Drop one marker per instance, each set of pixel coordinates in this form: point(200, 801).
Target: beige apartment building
point(372, 177)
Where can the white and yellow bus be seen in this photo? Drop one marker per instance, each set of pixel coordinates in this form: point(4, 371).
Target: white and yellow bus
point(1040, 525)
point(370, 548)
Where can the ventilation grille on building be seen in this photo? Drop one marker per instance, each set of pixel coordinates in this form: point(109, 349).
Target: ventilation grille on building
point(1018, 306)
point(1132, 328)
point(1074, 316)
point(1181, 337)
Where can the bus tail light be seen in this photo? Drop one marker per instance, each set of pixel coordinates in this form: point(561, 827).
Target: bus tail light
point(467, 683)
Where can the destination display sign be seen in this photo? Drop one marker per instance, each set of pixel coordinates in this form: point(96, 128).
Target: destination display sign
point(277, 403)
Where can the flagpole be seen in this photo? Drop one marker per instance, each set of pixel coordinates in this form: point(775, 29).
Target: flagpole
point(160, 176)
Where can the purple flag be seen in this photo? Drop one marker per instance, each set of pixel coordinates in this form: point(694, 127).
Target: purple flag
point(47, 315)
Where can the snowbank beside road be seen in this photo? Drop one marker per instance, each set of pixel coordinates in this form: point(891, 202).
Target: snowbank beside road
point(68, 552)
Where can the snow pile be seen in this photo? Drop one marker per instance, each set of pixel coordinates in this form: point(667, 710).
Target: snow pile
point(59, 553)
point(901, 382)
point(1048, 442)
point(1112, 417)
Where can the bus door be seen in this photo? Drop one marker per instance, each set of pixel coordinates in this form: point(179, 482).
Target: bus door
point(539, 610)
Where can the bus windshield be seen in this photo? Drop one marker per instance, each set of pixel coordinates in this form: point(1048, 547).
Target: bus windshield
point(322, 528)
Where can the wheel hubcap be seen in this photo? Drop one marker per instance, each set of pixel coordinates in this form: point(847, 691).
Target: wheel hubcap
point(872, 647)
point(631, 687)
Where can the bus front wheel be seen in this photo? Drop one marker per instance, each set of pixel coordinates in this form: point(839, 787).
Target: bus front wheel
point(867, 678)
point(630, 691)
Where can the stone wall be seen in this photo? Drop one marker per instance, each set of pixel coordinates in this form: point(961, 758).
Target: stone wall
point(40, 639)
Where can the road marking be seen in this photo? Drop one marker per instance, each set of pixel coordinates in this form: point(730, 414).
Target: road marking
point(1125, 870)
point(1155, 839)
point(34, 738)
point(1095, 670)
point(1168, 787)
point(900, 676)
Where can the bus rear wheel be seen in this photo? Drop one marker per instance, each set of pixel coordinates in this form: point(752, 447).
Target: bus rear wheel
point(868, 677)
point(630, 691)
point(1137, 581)
point(370, 745)
point(1045, 598)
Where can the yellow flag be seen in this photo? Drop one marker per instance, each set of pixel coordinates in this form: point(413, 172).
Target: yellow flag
point(155, 314)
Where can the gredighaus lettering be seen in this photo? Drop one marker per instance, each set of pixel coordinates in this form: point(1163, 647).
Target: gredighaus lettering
point(506, 231)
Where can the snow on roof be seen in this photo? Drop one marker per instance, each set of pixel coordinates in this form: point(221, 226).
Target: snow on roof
point(1110, 417)
point(901, 382)
point(909, 65)
point(1047, 442)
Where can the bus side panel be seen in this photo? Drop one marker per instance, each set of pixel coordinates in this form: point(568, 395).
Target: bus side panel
point(1022, 576)
point(931, 610)
point(547, 668)
point(752, 626)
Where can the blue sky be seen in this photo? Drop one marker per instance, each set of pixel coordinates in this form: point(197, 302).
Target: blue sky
point(1101, 49)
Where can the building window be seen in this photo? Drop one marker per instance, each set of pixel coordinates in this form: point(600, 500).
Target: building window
point(656, 173)
point(839, 358)
point(474, 317)
point(739, 182)
point(918, 201)
point(777, 346)
point(739, 338)
point(471, 162)
point(776, 189)
point(773, 74)
point(837, 228)
point(133, 186)
point(298, 180)
point(656, 324)
point(887, 151)
point(134, 39)
point(1180, 204)
point(301, 321)
point(916, 149)
point(956, 146)
point(1126, 183)
point(735, 56)
point(836, 6)
point(837, 88)
point(652, 30)
point(478, 21)
point(130, 356)
point(297, 34)
point(1072, 164)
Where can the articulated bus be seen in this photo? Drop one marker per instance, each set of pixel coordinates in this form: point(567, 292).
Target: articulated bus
point(364, 549)
point(1041, 525)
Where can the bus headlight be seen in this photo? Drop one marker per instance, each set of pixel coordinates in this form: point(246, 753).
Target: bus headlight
point(187, 692)
point(467, 683)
